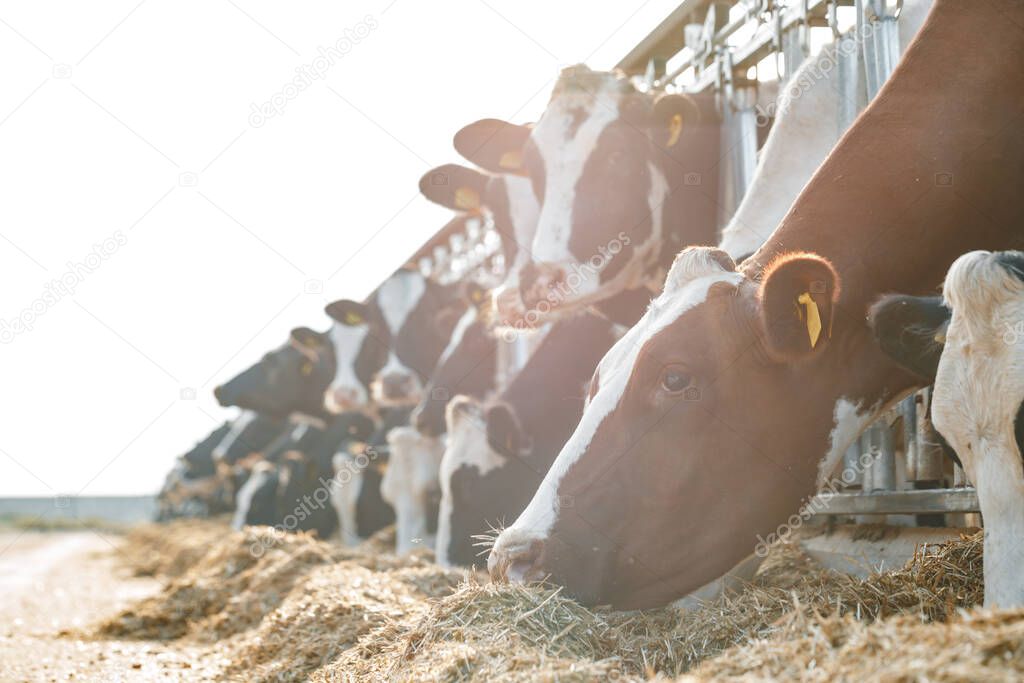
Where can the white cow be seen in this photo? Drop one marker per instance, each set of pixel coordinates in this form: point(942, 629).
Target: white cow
point(806, 129)
point(978, 400)
point(411, 486)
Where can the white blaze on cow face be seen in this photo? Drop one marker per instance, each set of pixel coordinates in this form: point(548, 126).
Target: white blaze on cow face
point(466, 447)
point(687, 285)
point(978, 396)
point(346, 391)
point(409, 484)
point(397, 298)
point(523, 213)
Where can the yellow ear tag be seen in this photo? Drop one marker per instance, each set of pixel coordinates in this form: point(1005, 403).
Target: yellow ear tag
point(477, 295)
point(675, 127)
point(352, 318)
point(307, 369)
point(813, 318)
point(467, 199)
point(513, 160)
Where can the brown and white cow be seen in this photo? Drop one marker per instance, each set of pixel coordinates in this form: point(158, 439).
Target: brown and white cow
point(735, 396)
point(624, 179)
point(499, 450)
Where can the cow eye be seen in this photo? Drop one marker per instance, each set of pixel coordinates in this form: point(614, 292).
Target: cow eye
point(675, 380)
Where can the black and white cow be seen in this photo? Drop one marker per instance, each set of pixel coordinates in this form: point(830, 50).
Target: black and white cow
point(387, 347)
point(468, 364)
point(625, 179)
point(191, 488)
point(971, 342)
point(290, 379)
point(498, 452)
point(291, 487)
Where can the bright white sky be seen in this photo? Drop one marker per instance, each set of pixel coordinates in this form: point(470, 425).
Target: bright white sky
point(133, 119)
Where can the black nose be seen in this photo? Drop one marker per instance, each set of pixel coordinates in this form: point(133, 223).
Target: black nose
point(218, 393)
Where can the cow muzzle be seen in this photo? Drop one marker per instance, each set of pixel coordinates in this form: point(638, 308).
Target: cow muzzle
point(339, 399)
point(516, 558)
point(397, 388)
point(540, 282)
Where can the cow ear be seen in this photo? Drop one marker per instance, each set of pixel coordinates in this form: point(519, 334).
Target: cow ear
point(348, 312)
point(671, 115)
point(475, 294)
point(493, 145)
point(456, 187)
point(798, 295)
point(911, 330)
point(503, 433)
point(307, 338)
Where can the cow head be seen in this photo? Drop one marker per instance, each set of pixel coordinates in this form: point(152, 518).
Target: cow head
point(604, 161)
point(287, 380)
point(911, 330)
point(690, 448)
point(360, 339)
point(466, 499)
point(508, 199)
point(419, 314)
point(466, 366)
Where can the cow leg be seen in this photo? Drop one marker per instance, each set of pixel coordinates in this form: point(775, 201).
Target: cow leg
point(999, 478)
point(348, 482)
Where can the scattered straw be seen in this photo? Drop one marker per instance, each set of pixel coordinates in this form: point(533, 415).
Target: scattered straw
point(305, 609)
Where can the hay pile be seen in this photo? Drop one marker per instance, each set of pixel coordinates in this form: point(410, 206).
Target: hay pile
point(305, 609)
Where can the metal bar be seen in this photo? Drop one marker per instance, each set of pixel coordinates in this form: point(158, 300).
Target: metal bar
point(757, 48)
point(664, 41)
point(896, 502)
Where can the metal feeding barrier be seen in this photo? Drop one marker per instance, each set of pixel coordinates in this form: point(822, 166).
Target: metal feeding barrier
point(721, 46)
point(896, 469)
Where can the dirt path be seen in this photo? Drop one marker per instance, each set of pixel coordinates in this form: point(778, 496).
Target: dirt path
point(54, 584)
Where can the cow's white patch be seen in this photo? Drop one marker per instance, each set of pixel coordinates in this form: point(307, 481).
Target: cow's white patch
point(345, 488)
point(523, 212)
point(848, 422)
point(243, 501)
point(614, 372)
point(408, 484)
point(397, 299)
point(467, 319)
point(398, 296)
point(348, 341)
point(466, 447)
point(243, 420)
point(979, 387)
point(565, 157)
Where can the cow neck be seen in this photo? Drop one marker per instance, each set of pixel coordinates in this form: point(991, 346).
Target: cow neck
point(930, 170)
point(691, 209)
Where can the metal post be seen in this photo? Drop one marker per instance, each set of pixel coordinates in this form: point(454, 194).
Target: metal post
point(930, 461)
